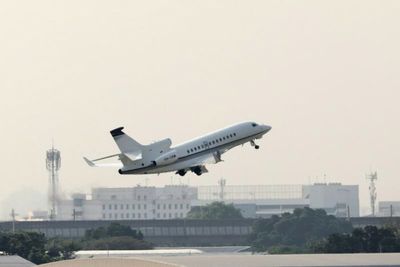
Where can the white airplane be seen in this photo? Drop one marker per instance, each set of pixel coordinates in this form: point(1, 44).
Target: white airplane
point(192, 155)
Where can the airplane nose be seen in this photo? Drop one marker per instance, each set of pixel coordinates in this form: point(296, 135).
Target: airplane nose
point(266, 128)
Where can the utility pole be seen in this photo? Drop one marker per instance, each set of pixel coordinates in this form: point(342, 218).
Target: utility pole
point(13, 215)
point(222, 183)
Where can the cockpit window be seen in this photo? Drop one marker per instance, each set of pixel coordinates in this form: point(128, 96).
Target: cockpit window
point(254, 124)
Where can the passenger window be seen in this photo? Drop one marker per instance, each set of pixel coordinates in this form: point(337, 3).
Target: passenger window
point(198, 147)
point(231, 135)
point(213, 142)
point(202, 146)
point(195, 149)
point(223, 137)
point(188, 151)
point(209, 144)
point(191, 149)
point(216, 140)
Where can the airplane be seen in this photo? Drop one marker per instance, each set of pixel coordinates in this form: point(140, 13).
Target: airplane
point(193, 155)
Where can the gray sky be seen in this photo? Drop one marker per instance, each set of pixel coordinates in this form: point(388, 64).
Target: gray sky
point(323, 74)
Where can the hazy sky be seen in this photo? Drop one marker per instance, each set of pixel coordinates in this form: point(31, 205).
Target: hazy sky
point(324, 74)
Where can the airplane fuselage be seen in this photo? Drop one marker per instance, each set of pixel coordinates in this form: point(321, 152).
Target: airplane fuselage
point(185, 156)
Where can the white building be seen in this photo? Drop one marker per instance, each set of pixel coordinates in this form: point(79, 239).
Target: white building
point(137, 203)
point(267, 200)
point(175, 201)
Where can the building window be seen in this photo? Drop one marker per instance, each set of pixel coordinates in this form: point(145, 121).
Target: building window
point(115, 206)
point(187, 206)
point(145, 215)
point(104, 215)
point(181, 215)
point(122, 215)
point(133, 215)
point(110, 216)
point(144, 206)
point(138, 206)
point(169, 206)
point(145, 197)
point(138, 197)
point(127, 206)
point(104, 206)
point(164, 215)
point(109, 206)
point(138, 215)
point(115, 216)
point(169, 215)
point(158, 215)
point(164, 206)
point(127, 215)
point(181, 206)
point(133, 206)
point(158, 206)
point(122, 206)
point(176, 206)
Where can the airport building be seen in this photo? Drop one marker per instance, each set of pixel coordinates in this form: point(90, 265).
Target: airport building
point(267, 200)
point(131, 203)
point(175, 201)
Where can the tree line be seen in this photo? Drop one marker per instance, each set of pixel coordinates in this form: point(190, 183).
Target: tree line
point(313, 231)
point(36, 248)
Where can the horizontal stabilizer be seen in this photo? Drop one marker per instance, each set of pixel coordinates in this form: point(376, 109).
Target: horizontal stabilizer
point(93, 163)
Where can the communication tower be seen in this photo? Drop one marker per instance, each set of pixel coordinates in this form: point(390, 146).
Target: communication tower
point(372, 177)
point(53, 165)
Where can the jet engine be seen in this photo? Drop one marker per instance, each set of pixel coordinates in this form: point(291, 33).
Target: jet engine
point(166, 158)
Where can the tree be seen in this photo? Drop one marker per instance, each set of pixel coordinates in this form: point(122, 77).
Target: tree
point(114, 236)
point(112, 230)
point(302, 227)
point(215, 210)
point(28, 245)
point(368, 240)
point(116, 243)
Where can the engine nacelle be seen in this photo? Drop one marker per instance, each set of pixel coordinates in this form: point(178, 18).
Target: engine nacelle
point(166, 158)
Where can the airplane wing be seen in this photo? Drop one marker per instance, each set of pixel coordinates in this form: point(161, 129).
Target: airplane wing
point(93, 163)
point(210, 158)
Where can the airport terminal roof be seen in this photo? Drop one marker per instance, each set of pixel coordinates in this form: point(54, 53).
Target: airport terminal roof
point(14, 261)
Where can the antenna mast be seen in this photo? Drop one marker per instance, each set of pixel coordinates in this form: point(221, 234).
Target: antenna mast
point(372, 177)
point(53, 165)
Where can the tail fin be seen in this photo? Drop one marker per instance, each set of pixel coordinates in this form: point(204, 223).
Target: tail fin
point(126, 144)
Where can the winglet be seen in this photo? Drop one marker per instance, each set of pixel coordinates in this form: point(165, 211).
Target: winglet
point(117, 131)
point(89, 162)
